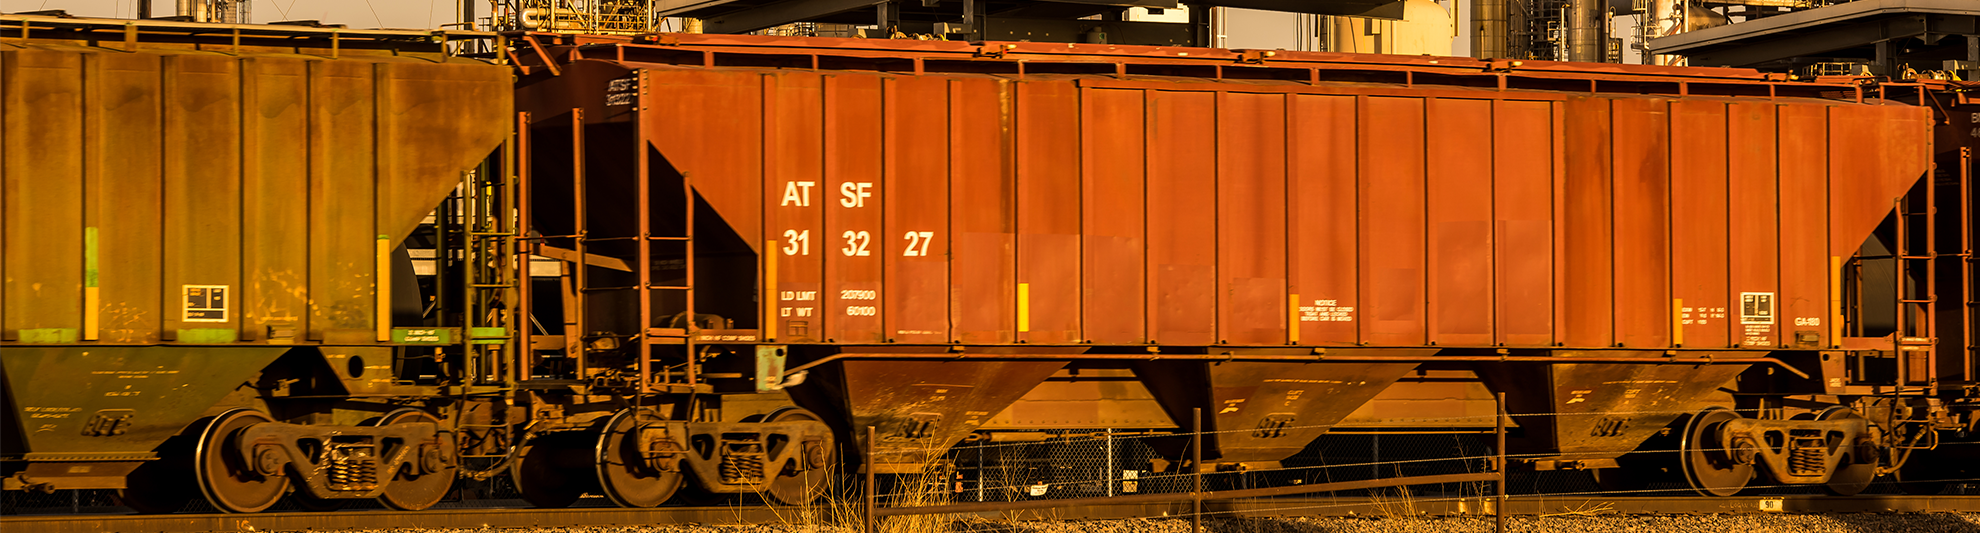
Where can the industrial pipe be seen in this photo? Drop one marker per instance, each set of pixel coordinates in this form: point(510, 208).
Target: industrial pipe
point(1587, 22)
point(1489, 41)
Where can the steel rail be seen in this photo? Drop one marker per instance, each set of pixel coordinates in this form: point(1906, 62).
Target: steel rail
point(1339, 506)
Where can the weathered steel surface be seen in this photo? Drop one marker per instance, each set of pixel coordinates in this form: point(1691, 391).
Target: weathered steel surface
point(1324, 219)
point(1752, 200)
point(1641, 148)
point(225, 202)
point(1269, 205)
point(1114, 216)
point(1523, 211)
point(1584, 228)
point(1595, 410)
point(1181, 298)
point(258, 183)
point(1804, 200)
point(1267, 411)
point(1460, 206)
point(1700, 235)
point(921, 408)
point(1391, 191)
point(82, 404)
point(916, 240)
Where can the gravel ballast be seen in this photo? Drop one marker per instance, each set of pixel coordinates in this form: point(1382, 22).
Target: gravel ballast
point(1611, 523)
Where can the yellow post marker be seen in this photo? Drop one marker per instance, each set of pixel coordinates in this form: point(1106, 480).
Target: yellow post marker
point(771, 301)
point(92, 302)
point(1835, 301)
point(1292, 319)
point(1677, 322)
point(1024, 307)
point(384, 291)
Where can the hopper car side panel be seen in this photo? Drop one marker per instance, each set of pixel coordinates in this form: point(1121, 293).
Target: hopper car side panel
point(1392, 233)
point(1752, 196)
point(1468, 213)
point(1804, 202)
point(1460, 208)
point(1523, 210)
point(1181, 299)
point(982, 200)
point(44, 264)
point(853, 243)
point(270, 167)
point(1584, 226)
point(917, 236)
point(1114, 216)
point(1048, 219)
point(1325, 216)
point(1699, 219)
point(1641, 204)
point(1251, 223)
point(202, 139)
point(176, 219)
point(791, 122)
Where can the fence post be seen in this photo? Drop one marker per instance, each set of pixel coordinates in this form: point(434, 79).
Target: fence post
point(871, 498)
point(1196, 470)
point(1107, 470)
point(1499, 509)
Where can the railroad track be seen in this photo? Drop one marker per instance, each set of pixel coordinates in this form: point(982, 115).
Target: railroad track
point(761, 514)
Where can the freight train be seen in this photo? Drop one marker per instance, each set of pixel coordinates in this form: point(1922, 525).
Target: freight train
point(249, 262)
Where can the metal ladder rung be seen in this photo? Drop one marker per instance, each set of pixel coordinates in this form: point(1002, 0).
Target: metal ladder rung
point(680, 239)
point(1927, 301)
point(605, 239)
point(608, 289)
point(668, 287)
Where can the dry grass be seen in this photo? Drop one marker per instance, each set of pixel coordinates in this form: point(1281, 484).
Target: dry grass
point(1401, 505)
point(1588, 508)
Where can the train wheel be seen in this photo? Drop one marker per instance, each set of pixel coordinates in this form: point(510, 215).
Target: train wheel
point(543, 471)
point(231, 483)
point(1708, 468)
point(1855, 472)
point(428, 473)
point(804, 478)
point(629, 478)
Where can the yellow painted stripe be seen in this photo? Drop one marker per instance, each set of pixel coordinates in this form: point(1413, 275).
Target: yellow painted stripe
point(384, 288)
point(1677, 322)
point(1292, 319)
point(92, 306)
point(1835, 301)
point(771, 300)
point(92, 311)
point(1024, 307)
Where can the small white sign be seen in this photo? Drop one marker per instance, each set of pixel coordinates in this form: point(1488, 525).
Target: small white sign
point(1771, 506)
point(204, 303)
point(1039, 489)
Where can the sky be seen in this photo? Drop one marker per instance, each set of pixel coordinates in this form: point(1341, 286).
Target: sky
point(353, 13)
point(1258, 29)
